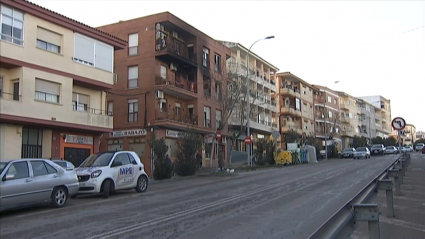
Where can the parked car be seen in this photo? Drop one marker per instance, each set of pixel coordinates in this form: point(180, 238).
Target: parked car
point(409, 148)
point(391, 150)
point(362, 152)
point(402, 149)
point(107, 172)
point(64, 164)
point(347, 153)
point(377, 149)
point(423, 150)
point(27, 182)
point(420, 146)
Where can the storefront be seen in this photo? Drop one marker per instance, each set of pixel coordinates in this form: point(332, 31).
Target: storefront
point(74, 147)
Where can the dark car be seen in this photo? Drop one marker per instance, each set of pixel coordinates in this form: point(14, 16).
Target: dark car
point(347, 153)
point(377, 149)
point(423, 150)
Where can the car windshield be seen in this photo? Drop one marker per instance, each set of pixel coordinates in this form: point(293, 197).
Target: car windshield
point(97, 160)
point(2, 166)
point(61, 163)
point(361, 149)
point(377, 146)
point(348, 150)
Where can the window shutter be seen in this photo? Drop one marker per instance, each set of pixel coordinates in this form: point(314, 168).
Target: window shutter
point(133, 40)
point(47, 87)
point(48, 36)
point(104, 56)
point(84, 49)
point(133, 72)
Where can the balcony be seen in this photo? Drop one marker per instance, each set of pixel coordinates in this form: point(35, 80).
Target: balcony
point(50, 114)
point(285, 91)
point(345, 120)
point(290, 111)
point(344, 106)
point(287, 128)
point(173, 120)
point(179, 88)
point(171, 49)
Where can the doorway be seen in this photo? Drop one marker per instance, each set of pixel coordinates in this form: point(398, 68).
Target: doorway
point(75, 155)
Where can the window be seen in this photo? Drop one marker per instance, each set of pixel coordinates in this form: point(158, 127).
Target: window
point(110, 108)
point(31, 143)
point(217, 60)
point(12, 25)
point(80, 102)
point(205, 57)
point(297, 104)
point(177, 108)
point(132, 159)
point(18, 170)
point(132, 110)
point(163, 72)
point(1, 86)
point(93, 53)
point(329, 99)
point(47, 91)
point(330, 114)
point(48, 40)
point(15, 89)
point(39, 168)
point(162, 105)
point(133, 43)
point(122, 158)
point(207, 117)
point(133, 75)
point(217, 118)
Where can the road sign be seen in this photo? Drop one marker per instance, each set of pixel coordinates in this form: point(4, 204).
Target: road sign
point(247, 140)
point(218, 136)
point(398, 123)
point(275, 135)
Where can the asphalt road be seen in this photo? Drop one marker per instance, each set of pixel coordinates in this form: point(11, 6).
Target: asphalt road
point(288, 202)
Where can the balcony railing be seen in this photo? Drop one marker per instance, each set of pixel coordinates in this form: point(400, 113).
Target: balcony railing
point(9, 96)
point(172, 116)
point(81, 108)
point(175, 46)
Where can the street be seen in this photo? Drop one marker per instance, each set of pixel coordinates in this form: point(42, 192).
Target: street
point(288, 202)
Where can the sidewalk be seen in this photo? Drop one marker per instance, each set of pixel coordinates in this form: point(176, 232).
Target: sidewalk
point(409, 208)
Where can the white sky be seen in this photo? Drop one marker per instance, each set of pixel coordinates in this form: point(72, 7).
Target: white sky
point(370, 47)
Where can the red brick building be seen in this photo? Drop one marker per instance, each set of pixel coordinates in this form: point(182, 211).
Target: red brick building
point(163, 85)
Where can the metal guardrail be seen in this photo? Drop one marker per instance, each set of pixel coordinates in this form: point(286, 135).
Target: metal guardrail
point(359, 207)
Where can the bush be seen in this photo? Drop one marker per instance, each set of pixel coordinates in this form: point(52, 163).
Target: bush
point(187, 145)
point(163, 168)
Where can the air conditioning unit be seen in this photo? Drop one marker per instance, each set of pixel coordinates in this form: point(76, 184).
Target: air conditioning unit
point(159, 94)
point(115, 79)
point(173, 67)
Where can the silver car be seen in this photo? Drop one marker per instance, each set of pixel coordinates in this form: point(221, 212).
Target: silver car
point(361, 152)
point(64, 164)
point(26, 182)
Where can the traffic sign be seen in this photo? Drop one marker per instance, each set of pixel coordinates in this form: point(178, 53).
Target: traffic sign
point(398, 123)
point(218, 136)
point(248, 140)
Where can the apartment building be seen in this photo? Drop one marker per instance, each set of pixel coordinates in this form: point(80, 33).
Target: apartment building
point(264, 111)
point(296, 104)
point(351, 118)
point(166, 84)
point(382, 114)
point(410, 134)
point(54, 74)
point(369, 120)
point(327, 115)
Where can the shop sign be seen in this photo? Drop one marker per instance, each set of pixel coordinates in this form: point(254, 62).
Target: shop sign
point(131, 132)
point(78, 139)
point(172, 133)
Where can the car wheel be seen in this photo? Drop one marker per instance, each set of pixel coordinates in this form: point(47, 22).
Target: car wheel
point(142, 184)
point(59, 197)
point(106, 188)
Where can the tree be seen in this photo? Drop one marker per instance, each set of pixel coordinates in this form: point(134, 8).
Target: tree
point(162, 166)
point(188, 144)
point(390, 141)
point(359, 141)
point(378, 140)
point(291, 136)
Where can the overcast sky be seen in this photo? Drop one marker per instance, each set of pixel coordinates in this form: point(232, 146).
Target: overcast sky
point(370, 47)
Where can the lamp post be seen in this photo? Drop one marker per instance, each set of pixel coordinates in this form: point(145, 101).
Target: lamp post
point(248, 106)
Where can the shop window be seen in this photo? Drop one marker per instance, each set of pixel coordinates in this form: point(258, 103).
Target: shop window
point(31, 143)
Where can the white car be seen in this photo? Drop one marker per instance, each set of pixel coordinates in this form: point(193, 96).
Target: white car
point(109, 171)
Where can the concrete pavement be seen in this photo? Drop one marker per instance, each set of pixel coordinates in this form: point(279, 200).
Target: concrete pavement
point(409, 208)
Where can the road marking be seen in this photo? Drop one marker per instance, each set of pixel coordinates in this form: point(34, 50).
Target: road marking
point(151, 222)
point(397, 222)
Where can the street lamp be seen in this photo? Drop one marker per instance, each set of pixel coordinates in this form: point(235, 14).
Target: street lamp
point(248, 106)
